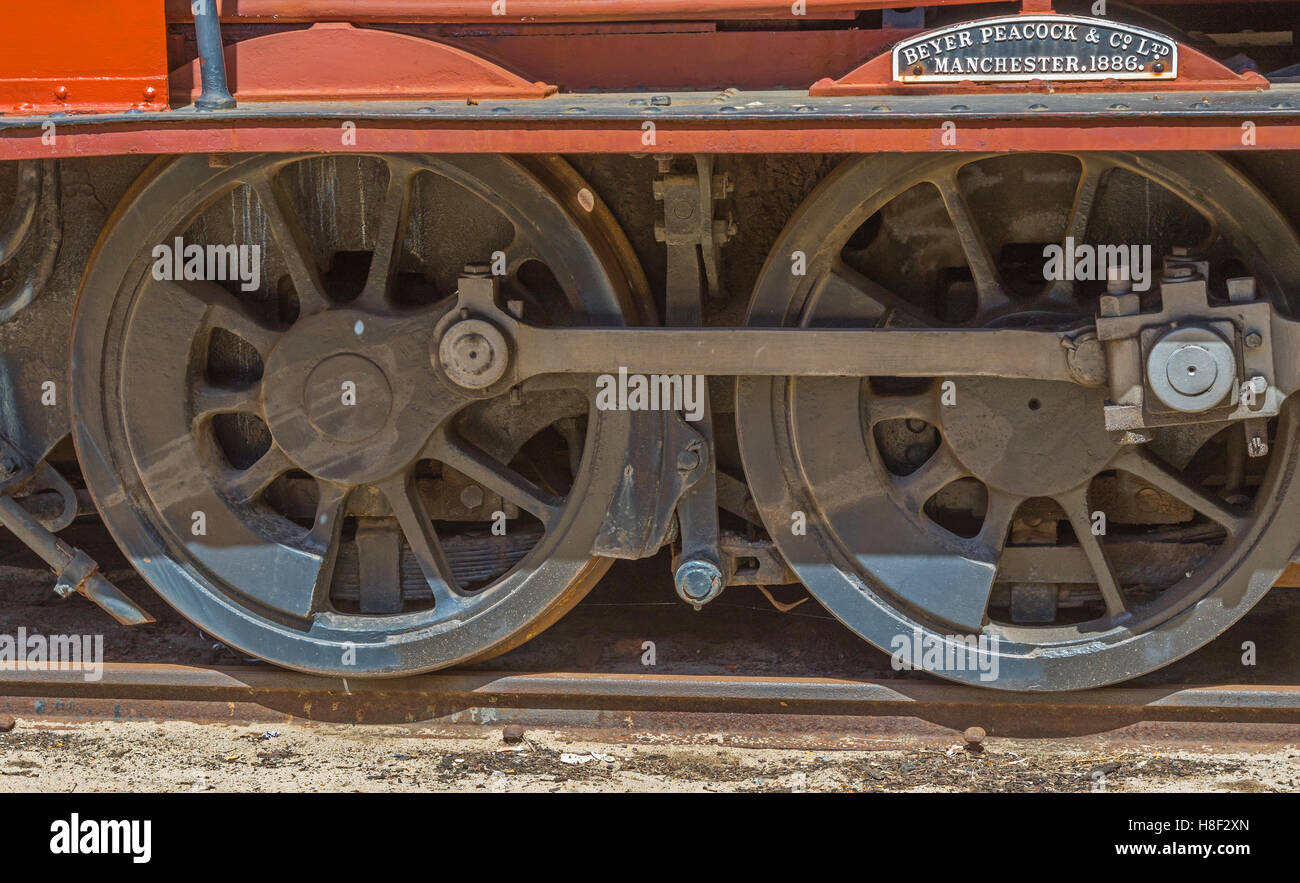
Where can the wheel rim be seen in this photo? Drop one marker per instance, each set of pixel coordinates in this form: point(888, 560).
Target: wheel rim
point(881, 550)
point(345, 537)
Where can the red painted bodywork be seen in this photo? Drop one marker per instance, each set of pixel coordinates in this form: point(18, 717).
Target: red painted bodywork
point(106, 55)
point(481, 11)
point(351, 64)
point(82, 55)
point(721, 135)
point(684, 60)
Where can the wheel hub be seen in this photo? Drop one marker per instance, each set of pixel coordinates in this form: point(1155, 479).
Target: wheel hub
point(1028, 438)
point(347, 397)
point(474, 353)
point(350, 396)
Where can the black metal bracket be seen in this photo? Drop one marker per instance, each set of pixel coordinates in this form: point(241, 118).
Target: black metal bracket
point(37, 192)
point(693, 237)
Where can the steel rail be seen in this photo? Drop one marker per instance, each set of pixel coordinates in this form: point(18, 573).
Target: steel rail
point(446, 691)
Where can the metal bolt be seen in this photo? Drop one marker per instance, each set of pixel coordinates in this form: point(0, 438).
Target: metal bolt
point(689, 459)
point(478, 270)
point(974, 737)
point(1149, 499)
point(1192, 369)
point(698, 581)
point(472, 496)
point(1254, 340)
point(474, 354)
point(472, 351)
point(1257, 446)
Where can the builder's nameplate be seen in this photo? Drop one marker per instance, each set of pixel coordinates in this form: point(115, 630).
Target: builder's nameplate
point(1036, 47)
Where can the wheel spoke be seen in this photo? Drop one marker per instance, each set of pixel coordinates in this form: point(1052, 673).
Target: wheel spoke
point(379, 565)
point(221, 309)
point(323, 538)
point(210, 401)
point(476, 464)
point(964, 598)
point(412, 517)
point(391, 235)
point(988, 283)
point(295, 245)
point(1092, 170)
point(998, 513)
point(1077, 509)
point(845, 295)
point(519, 252)
point(247, 485)
point(1152, 470)
point(225, 311)
point(914, 406)
point(930, 477)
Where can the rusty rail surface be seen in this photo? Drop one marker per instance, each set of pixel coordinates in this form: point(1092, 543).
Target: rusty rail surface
point(201, 693)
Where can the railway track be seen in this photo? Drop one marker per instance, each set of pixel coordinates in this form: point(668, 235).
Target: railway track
point(588, 672)
point(203, 693)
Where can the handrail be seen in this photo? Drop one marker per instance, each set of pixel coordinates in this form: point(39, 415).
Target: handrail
point(212, 60)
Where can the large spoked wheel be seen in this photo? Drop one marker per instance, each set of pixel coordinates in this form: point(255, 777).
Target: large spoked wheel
point(952, 513)
point(272, 442)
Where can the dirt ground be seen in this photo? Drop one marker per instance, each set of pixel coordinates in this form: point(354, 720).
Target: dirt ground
point(739, 634)
point(63, 756)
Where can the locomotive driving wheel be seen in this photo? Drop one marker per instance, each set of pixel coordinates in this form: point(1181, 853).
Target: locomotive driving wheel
point(935, 515)
point(270, 436)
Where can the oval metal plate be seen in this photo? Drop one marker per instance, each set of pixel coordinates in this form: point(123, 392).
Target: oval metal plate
point(1035, 47)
